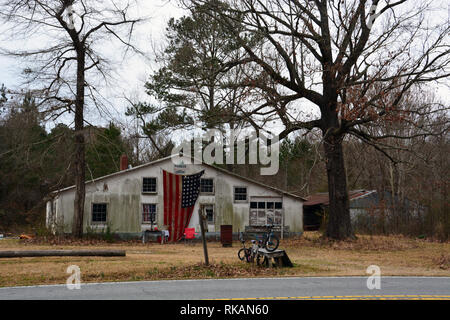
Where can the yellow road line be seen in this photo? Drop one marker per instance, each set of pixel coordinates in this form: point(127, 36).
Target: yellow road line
point(359, 297)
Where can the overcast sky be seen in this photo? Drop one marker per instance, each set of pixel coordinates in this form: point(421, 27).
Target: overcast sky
point(132, 72)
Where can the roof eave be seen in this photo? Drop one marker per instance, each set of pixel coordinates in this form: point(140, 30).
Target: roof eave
point(192, 158)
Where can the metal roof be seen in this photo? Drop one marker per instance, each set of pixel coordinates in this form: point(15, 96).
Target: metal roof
point(209, 165)
point(323, 199)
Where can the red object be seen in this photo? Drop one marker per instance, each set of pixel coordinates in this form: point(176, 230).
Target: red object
point(123, 162)
point(176, 218)
point(189, 233)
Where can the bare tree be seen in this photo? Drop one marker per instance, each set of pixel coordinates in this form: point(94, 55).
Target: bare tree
point(63, 72)
point(353, 61)
point(409, 172)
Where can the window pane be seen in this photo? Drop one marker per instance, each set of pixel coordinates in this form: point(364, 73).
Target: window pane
point(148, 212)
point(206, 185)
point(253, 217)
point(240, 196)
point(278, 205)
point(278, 217)
point(210, 214)
point(261, 217)
point(241, 190)
point(240, 193)
point(99, 212)
point(261, 205)
point(253, 205)
point(149, 185)
point(270, 217)
point(269, 205)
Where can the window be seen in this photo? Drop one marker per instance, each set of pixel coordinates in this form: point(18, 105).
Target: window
point(148, 212)
point(207, 185)
point(240, 194)
point(99, 212)
point(265, 211)
point(149, 185)
point(209, 210)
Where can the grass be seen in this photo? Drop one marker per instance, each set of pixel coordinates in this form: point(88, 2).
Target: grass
point(310, 255)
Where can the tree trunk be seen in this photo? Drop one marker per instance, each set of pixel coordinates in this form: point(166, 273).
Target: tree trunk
point(80, 162)
point(339, 224)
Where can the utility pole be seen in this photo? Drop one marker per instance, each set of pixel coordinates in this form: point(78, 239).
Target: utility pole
point(202, 229)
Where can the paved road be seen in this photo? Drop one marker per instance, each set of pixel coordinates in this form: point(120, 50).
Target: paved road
point(292, 288)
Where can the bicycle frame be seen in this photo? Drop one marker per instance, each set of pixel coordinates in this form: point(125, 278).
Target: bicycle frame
point(267, 236)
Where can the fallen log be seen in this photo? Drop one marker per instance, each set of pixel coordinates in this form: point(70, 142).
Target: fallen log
point(62, 253)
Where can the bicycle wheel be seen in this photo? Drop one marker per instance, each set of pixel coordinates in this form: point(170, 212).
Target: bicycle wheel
point(272, 243)
point(242, 254)
point(248, 255)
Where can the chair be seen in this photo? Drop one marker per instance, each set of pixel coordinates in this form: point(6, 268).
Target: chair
point(189, 234)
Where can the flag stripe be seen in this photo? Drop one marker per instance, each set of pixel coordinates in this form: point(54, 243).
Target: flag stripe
point(180, 195)
point(177, 211)
point(188, 216)
point(165, 199)
point(174, 205)
point(170, 193)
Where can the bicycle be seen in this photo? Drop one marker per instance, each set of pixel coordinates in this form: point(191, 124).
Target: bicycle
point(261, 260)
point(270, 241)
point(244, 253)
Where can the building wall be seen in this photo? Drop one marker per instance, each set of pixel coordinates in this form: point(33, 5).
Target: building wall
point(124, 198)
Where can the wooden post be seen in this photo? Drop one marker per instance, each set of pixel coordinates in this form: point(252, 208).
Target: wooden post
point(202, 229)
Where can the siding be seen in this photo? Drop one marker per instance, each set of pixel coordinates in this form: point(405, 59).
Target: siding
point(124, 199)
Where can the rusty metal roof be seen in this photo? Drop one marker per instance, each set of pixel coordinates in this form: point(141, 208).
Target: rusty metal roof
point(323, 199)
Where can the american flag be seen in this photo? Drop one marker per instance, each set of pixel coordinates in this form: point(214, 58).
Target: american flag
point(180, 194)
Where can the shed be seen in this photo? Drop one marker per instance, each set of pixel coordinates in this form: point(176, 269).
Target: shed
point(366, 206)
point(131, 201)
point(316, 204)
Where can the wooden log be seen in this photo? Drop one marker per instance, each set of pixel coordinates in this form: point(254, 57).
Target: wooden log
point(62, 253)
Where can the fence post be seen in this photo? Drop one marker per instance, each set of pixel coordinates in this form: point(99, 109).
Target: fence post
point(202, 229)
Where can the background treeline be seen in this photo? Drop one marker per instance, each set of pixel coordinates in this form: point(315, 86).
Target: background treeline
point(35, 160)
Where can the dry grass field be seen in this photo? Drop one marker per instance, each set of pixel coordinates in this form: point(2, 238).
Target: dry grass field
point(310, 255)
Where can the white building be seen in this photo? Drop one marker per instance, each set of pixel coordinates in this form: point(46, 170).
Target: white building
point(131, 201)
